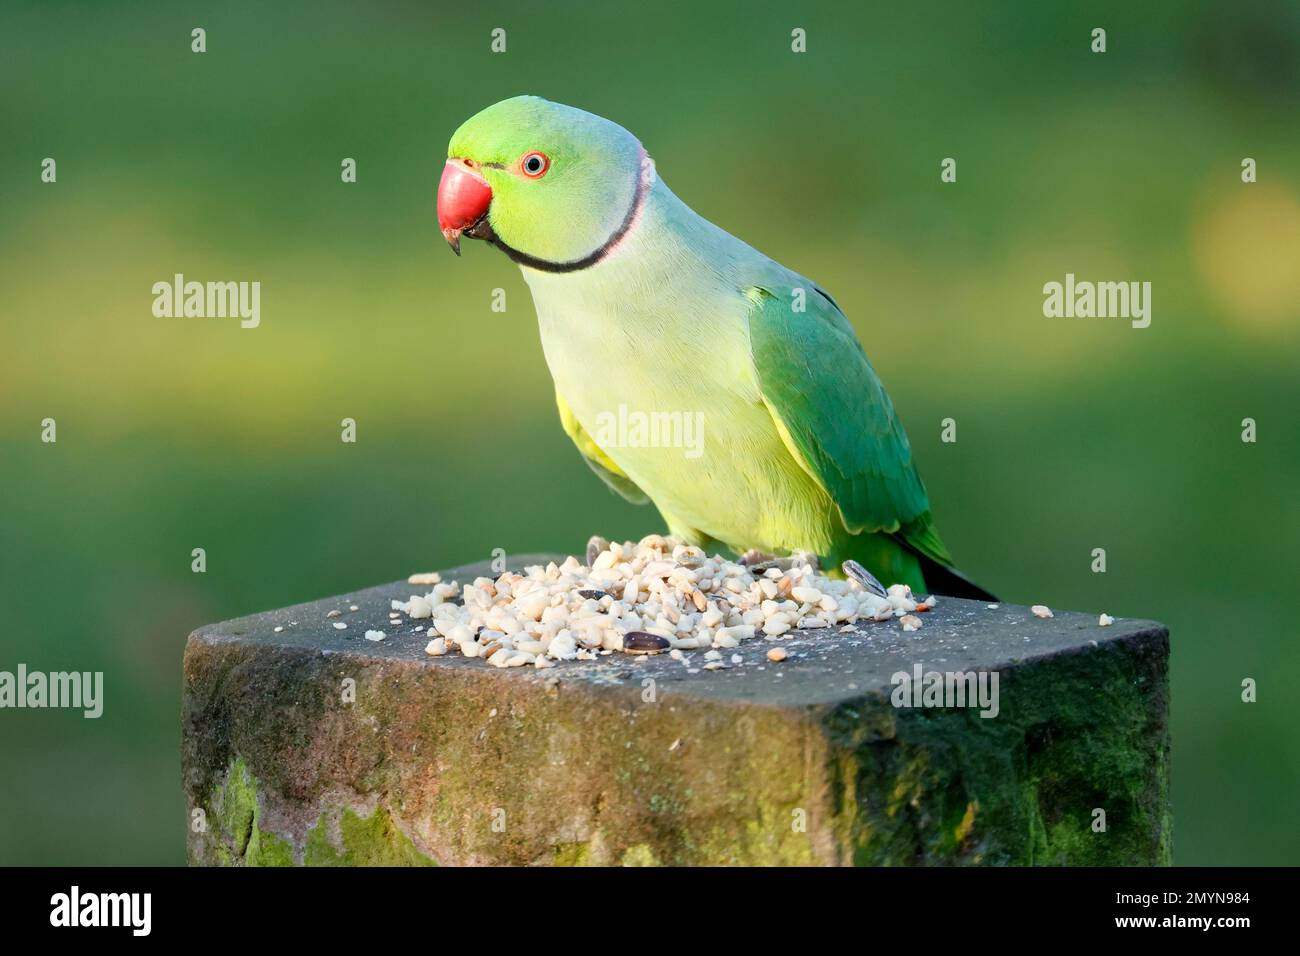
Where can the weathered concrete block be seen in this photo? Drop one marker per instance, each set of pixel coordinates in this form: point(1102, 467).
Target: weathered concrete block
point(450, 761)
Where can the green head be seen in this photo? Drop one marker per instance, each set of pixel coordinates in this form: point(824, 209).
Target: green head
point(553, 186)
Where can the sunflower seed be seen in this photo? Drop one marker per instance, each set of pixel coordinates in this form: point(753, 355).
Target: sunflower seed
point(642, 642)
point(864, 577)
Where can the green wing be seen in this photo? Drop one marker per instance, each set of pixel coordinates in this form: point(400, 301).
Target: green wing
point(595, 456)
point(835, 417)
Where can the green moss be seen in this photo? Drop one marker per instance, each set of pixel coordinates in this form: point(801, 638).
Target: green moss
point(1075, 733)
point(640, 855)
point(237, 808)
point(239, 836)
point(571, 854)
point(371, 841)
point(267, 849)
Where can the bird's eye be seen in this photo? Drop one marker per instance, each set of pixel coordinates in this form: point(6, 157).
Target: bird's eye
point(534, 165)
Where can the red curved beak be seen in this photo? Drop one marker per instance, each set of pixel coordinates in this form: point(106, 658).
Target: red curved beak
point(463, 199)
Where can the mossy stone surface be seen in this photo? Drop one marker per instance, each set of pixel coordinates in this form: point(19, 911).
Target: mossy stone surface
point(313, 746)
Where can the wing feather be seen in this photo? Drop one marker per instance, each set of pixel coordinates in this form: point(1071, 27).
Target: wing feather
point(836, 418)
point(596, 458)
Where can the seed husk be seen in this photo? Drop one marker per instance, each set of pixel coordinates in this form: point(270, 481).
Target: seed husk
point(864, 577)
point(642, 642)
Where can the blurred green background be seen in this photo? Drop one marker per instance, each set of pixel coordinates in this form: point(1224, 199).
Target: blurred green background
point(1072, 434)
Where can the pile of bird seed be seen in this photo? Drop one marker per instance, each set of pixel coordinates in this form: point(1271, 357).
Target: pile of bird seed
point(647, 597)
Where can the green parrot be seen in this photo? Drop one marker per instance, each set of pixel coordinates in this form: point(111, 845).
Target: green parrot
point(645, 308)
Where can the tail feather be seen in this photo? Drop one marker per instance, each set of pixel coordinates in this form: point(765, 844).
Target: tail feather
point(940, 577)
point(949, 582)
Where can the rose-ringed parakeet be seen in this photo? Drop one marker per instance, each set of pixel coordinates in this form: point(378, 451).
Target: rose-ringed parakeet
point(643, 305)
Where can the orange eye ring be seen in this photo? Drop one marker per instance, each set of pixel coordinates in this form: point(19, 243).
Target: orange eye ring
point(534, 164)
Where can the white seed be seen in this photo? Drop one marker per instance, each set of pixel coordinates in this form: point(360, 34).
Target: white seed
point(563, 648)
point(374, 635)
point(1105, 620)
point(418, 607)
point(436, 647)
point(1041, 610)
point(676, 591)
